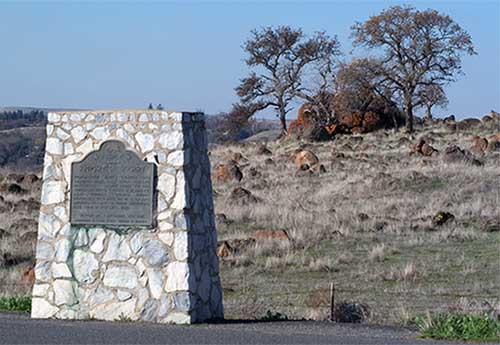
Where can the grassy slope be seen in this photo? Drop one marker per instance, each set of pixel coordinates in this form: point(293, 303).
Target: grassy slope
point(393, 260)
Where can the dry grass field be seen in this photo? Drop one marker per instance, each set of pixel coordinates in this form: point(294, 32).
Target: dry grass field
point(368, 222)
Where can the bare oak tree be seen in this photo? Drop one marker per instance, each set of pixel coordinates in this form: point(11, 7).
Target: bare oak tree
point(420, 48)
point(280, 58)
point(430, 96)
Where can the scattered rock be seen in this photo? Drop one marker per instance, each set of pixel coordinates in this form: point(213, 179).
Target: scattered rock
point(494, 143)
point(242, 196)
point(13, 188)
point(486, 119)
point(441, 218)
point(467, 124)
point(230, 247)
point(263, 150)
point(363, 216)
point(227, 172)
point(17, 178)
point(253, 172)
point(479, 145)
point(305, 157)
point(271, 235)
point(4, 233)
point(491, 225)
point(221, 218)
point(224, 249)
point(423, 148)
point(31, 178)
point(454, 154)
point(238, 157)
point(28, 275)
point(450, 118)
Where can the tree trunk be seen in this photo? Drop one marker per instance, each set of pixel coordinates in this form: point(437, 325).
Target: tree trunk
point(409, 113)
point(428, 114)
point(282, 115)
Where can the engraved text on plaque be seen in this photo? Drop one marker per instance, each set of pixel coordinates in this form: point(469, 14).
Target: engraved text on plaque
point(112, 186)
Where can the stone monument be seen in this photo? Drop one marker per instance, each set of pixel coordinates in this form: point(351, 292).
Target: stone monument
point(126, 228)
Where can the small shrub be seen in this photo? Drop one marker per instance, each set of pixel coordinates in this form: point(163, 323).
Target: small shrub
point(459, 326)
point(352, 312)
point(22, 303)
point(274, 316)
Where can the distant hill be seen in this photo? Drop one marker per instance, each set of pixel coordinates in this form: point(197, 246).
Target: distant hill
point(22, 148)
point(22, 133)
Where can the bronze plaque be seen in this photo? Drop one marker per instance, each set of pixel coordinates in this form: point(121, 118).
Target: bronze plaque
point(112, 186)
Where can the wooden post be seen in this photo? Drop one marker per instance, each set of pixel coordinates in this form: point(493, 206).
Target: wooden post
point(332, 301)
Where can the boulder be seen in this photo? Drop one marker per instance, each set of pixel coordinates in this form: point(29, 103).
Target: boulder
point(479, 145)
point(450, 118)
point(242, 196)
point(263, 150)
point(28, 275)
point(14, 188)
point(494, 115)
point(494, 143)
point(441, 218)
point(423, 148)
point(238, 158)
point(486, 119)
point(305, 157)
point(467, 124)
point(454, 154)
point(280, 235)
point(227, 172)
point(224, 249)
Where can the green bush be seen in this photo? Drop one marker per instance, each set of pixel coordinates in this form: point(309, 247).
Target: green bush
point(459, 326)
point(22, 303)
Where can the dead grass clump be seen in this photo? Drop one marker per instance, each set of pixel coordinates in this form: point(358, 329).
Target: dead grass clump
point(406, 273)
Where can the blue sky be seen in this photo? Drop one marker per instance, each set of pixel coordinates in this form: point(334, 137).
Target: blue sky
point(187, 55)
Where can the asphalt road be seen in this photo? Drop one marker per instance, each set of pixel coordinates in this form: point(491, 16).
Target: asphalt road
point(20, 329)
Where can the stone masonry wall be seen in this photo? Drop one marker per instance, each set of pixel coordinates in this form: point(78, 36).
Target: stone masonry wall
point(168, 273)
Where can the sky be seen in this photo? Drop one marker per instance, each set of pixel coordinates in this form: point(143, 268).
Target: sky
point(187, 55)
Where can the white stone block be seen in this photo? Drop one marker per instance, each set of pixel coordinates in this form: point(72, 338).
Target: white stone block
point(146, 141)
point(52, 192)
point(166, 237)
point(181, 245)
point(121, 277)
point(85, 147)
point(40, 290)
point(178, 318)
point(41, 309)
point(78, 134)
point(176, 158)
point(97, 245)
point(178, 276)
point(53, 117)
point(64, 292)
point(172, 140)
point(155, 280)
point(60, 270)
point(115, 311)
point(100, 133)
point(54, 146)
point(63, 247)
point(85, 266)
point(166, 185)
point(118, 249)
point(62, 134)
